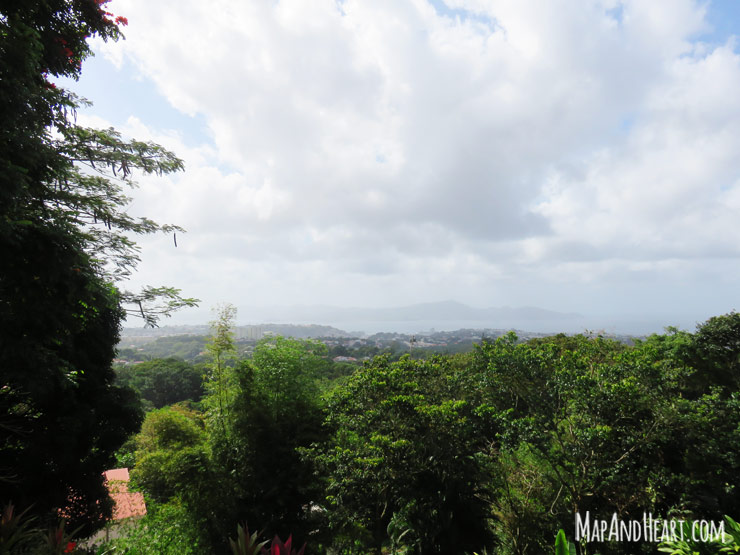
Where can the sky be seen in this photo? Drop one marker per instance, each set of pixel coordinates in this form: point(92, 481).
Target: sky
point(574, 155)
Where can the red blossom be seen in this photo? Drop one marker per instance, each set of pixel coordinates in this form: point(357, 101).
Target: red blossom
point(120, 20)
point(70, 547)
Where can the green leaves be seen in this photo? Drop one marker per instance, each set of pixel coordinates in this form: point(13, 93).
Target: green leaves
point(87, 198)
point(220, 381)
point(693, 543)
point(104, 151)
point(170, 453)
point(246, 544)
point(163, 381)
point(65, 242)
point(167, 529)
point(563, 546)
point(66, 177)
point(151, 303)
point(16, 531)
point(403, 459)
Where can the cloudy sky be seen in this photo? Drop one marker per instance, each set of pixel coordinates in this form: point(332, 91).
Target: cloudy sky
point(568, 154)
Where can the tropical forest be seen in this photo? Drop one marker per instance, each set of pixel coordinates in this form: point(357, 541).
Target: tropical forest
point(561, 443)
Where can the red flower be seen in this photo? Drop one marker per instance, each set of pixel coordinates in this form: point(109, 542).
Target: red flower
point(120, 20)
point(70, 547)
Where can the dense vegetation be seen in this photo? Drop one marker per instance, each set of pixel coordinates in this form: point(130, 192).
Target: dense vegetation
point(494, 449)
point(65, 242)
point(185, 347)
point(162, 382)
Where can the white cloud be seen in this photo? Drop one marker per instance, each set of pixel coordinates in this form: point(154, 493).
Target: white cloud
point(369, 145)
point(669, 189)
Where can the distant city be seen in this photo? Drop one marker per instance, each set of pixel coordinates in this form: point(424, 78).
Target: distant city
point(439, 328)
point(423, 319)
point(189, 342)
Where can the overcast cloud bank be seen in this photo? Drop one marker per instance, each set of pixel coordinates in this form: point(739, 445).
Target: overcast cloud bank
point(577, 156)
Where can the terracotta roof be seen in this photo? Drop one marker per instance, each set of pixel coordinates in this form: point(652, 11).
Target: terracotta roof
point(117, 474)
point(126, 503)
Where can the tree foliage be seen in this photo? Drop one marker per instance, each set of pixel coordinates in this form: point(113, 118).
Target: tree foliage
point(222, 352)
point(58, 175)
point(494, 450)
point(167, 529)
point(406, 462)
point(171, 453)
point(162, 382)
point(274, 412)
point(62, 415)
point(64, 241)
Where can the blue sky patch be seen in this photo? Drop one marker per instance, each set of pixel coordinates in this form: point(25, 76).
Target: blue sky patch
point(117, 94)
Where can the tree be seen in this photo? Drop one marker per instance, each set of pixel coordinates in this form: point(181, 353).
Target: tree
point(286, 371)
point(406, 465)
point(63, 417)
point(274, 411)
point(59, 175)
point(163, 382)
point(173, 468)
point(222, 352)
point(592, 425)
point(717, 351)
point(64, 243)
point(169, 439)
point(246, 464)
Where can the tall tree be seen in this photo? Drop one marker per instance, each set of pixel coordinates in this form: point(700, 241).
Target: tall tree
point(273, 413)
point(163, 381)
point(222, 351)
point(405, 465)
point(58, 175)
point(63, 244)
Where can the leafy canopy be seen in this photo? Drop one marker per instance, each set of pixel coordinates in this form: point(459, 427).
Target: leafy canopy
point(65, 244)
point(62, 176)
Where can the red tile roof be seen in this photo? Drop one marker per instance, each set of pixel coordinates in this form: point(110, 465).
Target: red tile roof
point(126, 503)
